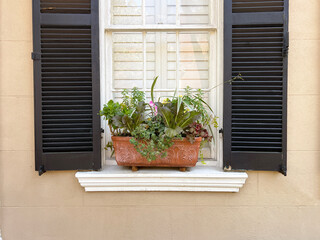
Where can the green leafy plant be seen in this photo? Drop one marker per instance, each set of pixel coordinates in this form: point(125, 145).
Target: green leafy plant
point(150, 139)
point(175, 116)
point(125, 117)
point(110, 111)
point(154, 125)
point(197, 130)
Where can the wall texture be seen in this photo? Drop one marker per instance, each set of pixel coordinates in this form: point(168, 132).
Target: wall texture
point(55, 207)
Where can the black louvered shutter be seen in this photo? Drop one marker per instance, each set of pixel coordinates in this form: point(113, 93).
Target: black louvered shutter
point(66, 84)
point(255, 109)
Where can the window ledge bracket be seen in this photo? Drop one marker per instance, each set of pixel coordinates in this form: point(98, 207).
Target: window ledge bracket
point(197, 179)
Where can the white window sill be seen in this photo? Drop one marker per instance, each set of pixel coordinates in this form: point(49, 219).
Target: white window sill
point(197, 179)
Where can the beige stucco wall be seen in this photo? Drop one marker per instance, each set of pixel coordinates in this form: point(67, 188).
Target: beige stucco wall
point(55, 207)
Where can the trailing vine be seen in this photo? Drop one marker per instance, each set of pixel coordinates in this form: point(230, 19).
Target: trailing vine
point(150, 140)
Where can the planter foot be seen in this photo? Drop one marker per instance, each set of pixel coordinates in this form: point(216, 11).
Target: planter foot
point(182, 169)
point(134, 168)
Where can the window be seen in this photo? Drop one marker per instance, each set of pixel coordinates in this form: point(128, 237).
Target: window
point(186, 42)
point(176, 40)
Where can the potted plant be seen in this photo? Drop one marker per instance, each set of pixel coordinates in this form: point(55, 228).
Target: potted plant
point(168, 132)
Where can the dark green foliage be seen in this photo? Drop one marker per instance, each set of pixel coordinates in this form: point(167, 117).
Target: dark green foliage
point(125, 117)
point(132, 99)
point(175, 116)
point(150, 139)
point(153, 125)
point(130, 119)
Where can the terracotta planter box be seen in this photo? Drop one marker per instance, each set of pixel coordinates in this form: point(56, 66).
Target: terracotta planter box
point(181, 154)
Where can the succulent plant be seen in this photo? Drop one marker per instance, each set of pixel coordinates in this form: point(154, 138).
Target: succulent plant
point(196, 129)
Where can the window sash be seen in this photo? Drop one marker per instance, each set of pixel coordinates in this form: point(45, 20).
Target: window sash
point(212, 19)
point(211, 28)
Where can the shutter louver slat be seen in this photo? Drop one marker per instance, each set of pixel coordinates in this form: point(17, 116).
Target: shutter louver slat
point(255, 108)
point(50, 53)
point(246, 6)
point(241, 33)
point(66, 6)
point(66, 76)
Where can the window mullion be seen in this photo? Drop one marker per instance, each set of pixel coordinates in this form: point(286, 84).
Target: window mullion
point(144, 35)
point(157, 17)
point(163, 12)
point(178, 22)
point(108, 83)
point(212, 9)
point(164, 59)
point(109, 14)
point(158, 60)
point(177, 62)
point(143, 12)
point(212, 83)
point(164, 45)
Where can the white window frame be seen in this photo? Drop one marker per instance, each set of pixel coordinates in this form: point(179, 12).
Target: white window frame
point(209, 177)
point(215, 76)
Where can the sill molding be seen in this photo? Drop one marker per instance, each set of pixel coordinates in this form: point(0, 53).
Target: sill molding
point(197, 179)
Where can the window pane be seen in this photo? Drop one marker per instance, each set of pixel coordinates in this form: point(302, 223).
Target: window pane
point(171, 65)
point(126, 12)
point(161, 59)
point(151, 67)
point(160, 11)
point(194, 12)
point(194, 60)
point(129, 12)
point(127, 60)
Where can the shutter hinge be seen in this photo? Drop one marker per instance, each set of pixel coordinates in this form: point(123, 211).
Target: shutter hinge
point(283, 170)
point(227, 168)
point(41, 170)
point(285, 49)
point(221, 131)
point(35, 56)
point(101, 131)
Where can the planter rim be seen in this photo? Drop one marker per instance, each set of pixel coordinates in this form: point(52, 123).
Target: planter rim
point(125, 138)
